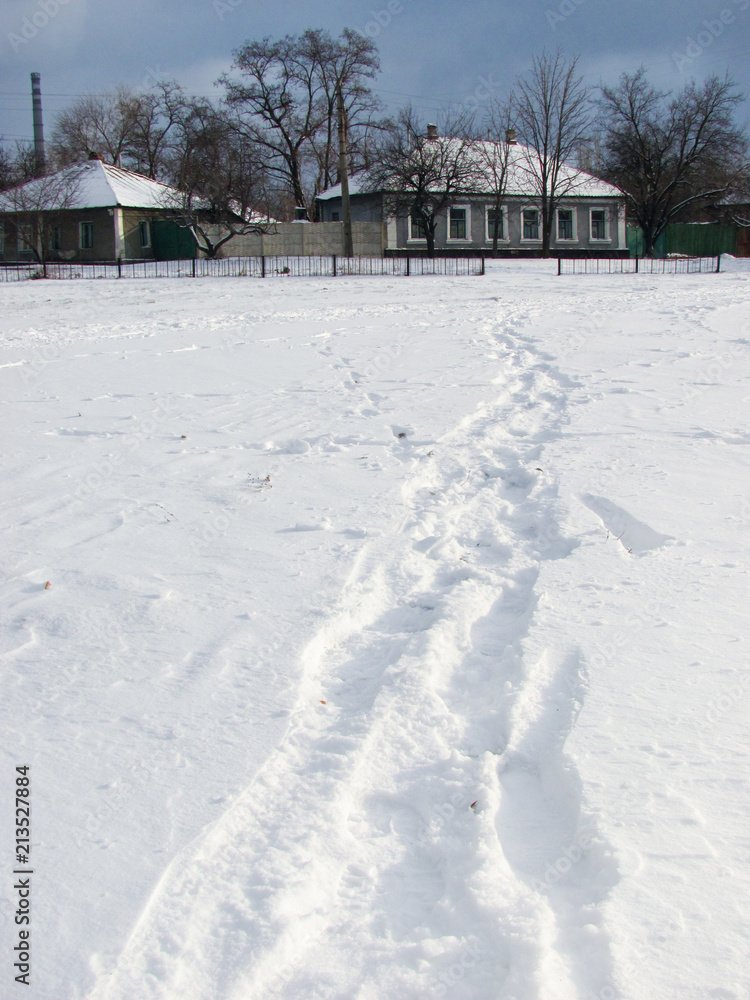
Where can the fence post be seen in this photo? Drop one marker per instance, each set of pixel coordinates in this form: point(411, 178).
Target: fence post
point(119, 267)
point(334, 265)
point(482, 263)
point(718, 263)
point(262, 265)
point(193, 266)
point(407, 265)
point(44, 268)
point(559, 265)
point(636, 263)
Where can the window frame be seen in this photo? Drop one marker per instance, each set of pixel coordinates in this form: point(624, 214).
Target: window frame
point(81, 244)
point(2, 239)
point(410, 237)
point(467, 223)
point(573, 238)
point(57, 238)
point(607, 238)
point(531, 239)
point(488, 232)
point(145, 226)
point(23, 244)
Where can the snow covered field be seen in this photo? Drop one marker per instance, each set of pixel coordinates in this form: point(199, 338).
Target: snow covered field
point(395, 642)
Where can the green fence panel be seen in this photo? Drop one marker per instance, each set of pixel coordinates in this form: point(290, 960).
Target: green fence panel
point(171, 242)
point(698, 239)
point(694, 239)
point(637, 244)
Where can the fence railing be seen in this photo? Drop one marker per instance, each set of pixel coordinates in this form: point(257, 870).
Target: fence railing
point(638, 265)
point(329, 266)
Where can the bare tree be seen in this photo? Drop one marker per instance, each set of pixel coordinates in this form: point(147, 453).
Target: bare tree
point(103, 124)
point(285, 102)
point(737, 206)
point(18, 166)
point(668, 153)
point(38, 207)
point(126, 128)
point(158, 124)
point(494, 158)
point(220, 182)
point(7, 168)
point(553, 119)
point(343, 66)
point(279, 107)
point(421, 172)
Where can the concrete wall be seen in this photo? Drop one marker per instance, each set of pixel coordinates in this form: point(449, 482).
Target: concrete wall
point(291, 239)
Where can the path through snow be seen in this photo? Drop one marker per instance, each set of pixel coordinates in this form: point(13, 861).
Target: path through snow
point(393, 648)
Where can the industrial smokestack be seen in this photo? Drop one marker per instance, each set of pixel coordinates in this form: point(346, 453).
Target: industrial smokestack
point(40, 163)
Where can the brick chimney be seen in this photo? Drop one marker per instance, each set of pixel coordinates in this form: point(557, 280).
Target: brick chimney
point(432, 132)
point(510, 136)
point(40, 160)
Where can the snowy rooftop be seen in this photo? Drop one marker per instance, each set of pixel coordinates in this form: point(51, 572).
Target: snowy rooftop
point(519, 181)
point(94, 184)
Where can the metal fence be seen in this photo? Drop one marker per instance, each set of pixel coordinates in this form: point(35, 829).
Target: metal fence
point(638, 265)
point(329, 266)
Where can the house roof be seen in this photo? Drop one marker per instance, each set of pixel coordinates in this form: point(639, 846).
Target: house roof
point(519, 180)
point(92, 184)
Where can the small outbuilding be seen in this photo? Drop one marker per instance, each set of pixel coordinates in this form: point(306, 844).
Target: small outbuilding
point(91, 211)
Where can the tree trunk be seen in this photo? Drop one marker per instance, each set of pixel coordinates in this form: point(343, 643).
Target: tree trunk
point(344, 174)
point(547, 223)
point(299, 194)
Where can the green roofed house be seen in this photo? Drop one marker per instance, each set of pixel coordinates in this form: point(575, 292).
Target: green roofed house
point(91, 211)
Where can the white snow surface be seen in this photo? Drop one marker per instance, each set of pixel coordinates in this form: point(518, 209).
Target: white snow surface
point(395, 644)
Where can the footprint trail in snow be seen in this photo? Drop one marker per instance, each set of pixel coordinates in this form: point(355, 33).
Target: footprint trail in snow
point(419, 832)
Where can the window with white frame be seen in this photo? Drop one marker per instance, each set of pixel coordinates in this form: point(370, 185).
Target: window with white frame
point(144, 231)
point(499, 215)
point(530, 224)
point(599, 224)
point(86, 232)
point(25, 234)
point(458, 222)
point(417, 229)
point(566, 224)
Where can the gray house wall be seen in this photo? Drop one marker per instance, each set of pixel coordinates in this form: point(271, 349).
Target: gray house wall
point(69, 222)
point(364, 208)
point(398, 229)
point(107, 246)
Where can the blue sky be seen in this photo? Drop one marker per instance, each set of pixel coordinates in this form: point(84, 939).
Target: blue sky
point(434, 53)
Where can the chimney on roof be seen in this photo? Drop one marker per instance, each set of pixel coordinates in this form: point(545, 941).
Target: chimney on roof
point(510, 136)
point(432, 132)
point(40, 161)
